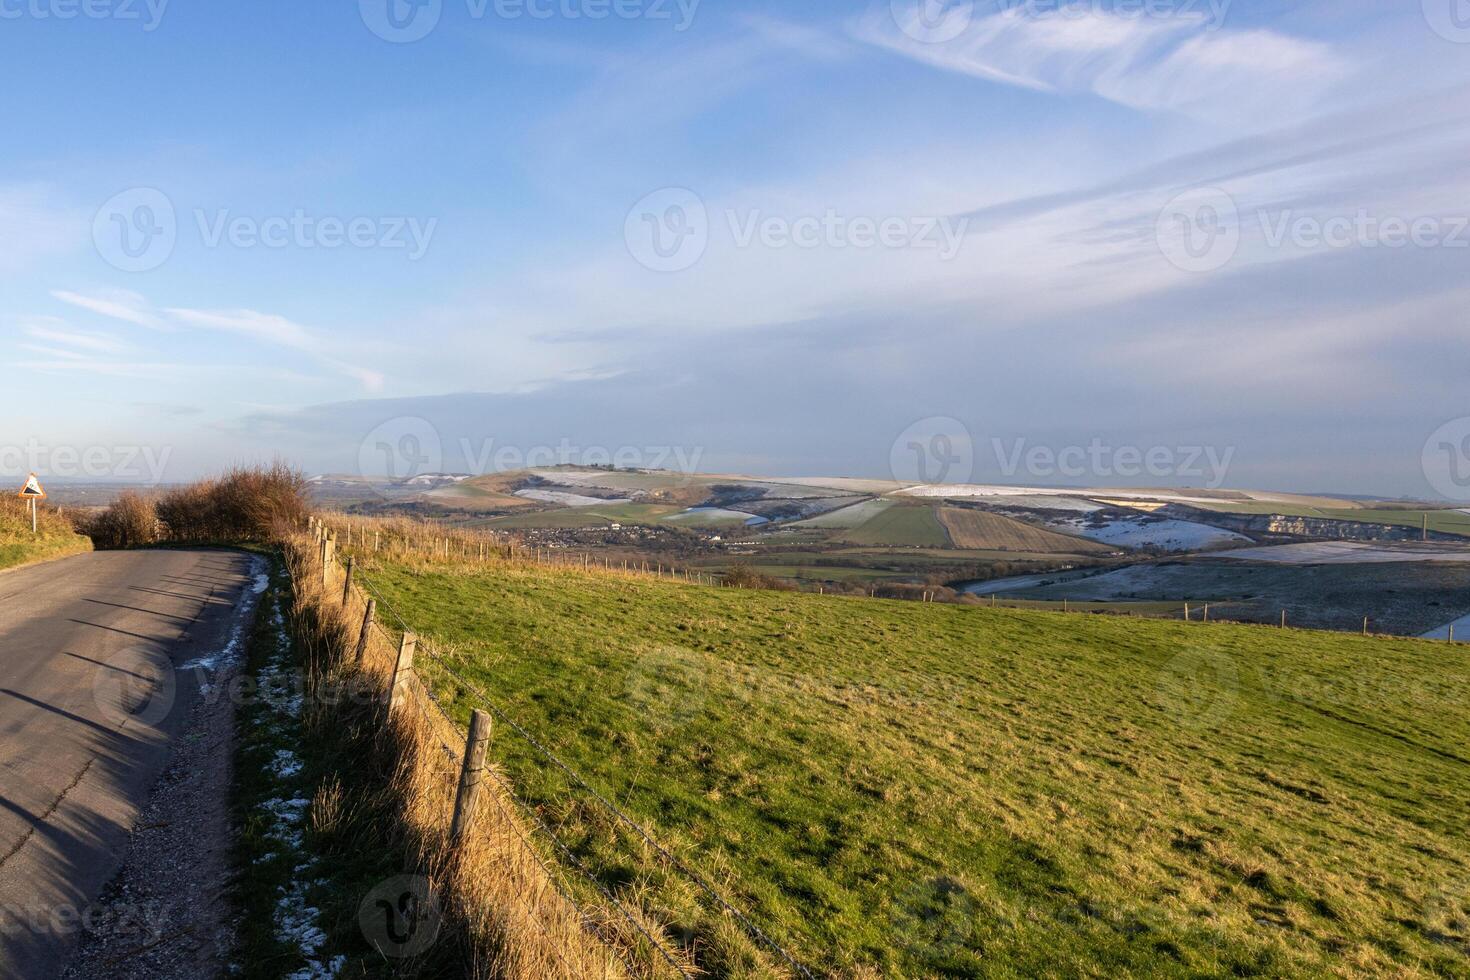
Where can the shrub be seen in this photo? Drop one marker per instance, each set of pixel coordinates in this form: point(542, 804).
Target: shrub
point(129, 523)
point(248, 503)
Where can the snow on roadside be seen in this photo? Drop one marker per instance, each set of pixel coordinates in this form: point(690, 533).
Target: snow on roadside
point(244, 616)
point(297, 922)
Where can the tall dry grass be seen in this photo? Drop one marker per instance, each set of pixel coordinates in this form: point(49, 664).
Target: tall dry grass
point(502, 908)
point(253, 504)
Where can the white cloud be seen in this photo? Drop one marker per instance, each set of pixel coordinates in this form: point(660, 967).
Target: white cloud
point(57, 331)
point(1175, 62)
point(124, 305)
point(270, 328)
point(262, 328)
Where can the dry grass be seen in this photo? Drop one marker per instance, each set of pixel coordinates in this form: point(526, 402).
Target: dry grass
point(54, 538)
point(978, 529)
point(506, 914)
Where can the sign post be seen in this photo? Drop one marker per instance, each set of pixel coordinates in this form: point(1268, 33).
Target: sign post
point(32, 492)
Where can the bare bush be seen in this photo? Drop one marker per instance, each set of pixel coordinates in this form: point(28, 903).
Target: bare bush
point(247, 504)
point(130, 522)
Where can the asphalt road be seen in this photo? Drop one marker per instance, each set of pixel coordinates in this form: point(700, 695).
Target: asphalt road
point(98, 667)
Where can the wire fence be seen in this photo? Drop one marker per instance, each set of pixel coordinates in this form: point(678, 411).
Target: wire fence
point(567, 863)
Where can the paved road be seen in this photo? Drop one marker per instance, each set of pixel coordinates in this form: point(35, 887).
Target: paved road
point(89, 699)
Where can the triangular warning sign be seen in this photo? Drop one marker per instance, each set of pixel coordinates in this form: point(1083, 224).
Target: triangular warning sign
point(33, 489)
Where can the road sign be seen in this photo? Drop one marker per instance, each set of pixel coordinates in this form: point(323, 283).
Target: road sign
point(32, 490)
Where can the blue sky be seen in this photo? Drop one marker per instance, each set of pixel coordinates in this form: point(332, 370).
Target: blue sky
point(235, 230)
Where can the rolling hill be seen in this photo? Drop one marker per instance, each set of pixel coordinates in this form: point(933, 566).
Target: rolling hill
point(915, 790)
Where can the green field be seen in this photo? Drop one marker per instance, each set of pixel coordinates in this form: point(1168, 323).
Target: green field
point(577, 517)
point(18, 546)
point(902, 525)
point(919, 790)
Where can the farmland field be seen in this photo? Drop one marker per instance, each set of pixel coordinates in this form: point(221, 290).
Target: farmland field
point(594, 516)
point(970, 528)
point(909, 790)
point(903, 525)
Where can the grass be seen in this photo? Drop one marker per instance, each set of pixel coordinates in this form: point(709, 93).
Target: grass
point(18, 546)
point(597, 515)
point(911, 525)
point(920, 790)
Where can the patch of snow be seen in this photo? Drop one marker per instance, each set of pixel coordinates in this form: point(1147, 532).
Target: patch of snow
point(1349, 553)
point(296, 921)
point(286, 764)
point(1169, 535)
point(718, 514)
point(567, 499)
point(244, 615)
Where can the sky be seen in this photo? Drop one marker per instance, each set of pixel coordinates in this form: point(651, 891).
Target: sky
point(1110, 242)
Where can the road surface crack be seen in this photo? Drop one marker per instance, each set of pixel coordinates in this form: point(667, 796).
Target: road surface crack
point(25, 838)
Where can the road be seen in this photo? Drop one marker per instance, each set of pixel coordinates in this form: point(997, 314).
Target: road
point(90, 696)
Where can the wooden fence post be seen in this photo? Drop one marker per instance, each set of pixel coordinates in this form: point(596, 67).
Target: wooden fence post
point(1283, 619)
point(471, 774)
point(347, 582)
point(329, 553)
point(367, 627)
point(398, 693)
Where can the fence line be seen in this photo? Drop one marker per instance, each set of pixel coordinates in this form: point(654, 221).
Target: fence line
point(364, 582)
point(612, 808)
point(422, 694)
point(554, 878)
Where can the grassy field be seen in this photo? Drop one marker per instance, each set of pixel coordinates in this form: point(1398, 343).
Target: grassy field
point(902, 525)
point(18, 546)
point(599, 515)
point(919, 790)
point(969, 528)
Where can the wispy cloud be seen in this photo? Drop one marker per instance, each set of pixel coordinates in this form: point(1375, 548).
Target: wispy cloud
point(272, 329)
point(57, 331)
point(124, 305)
point(263, 328)
point(1171, 61)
